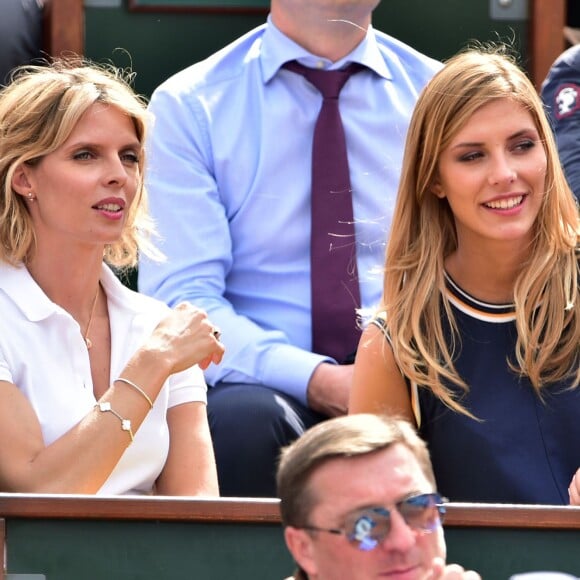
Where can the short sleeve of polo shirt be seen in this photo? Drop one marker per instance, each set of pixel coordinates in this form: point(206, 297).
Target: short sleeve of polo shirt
point(187, 386)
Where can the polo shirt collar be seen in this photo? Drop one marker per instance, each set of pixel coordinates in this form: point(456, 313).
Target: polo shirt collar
point(21, 288)
point(35, 305)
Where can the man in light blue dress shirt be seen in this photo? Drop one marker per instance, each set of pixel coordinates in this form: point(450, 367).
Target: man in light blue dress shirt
point(229, 180)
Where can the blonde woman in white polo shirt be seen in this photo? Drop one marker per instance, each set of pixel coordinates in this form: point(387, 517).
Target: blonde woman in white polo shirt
point(101, 389)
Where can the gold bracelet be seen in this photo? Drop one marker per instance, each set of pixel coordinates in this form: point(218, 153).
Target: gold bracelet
point(105, 407)
point(137, 388)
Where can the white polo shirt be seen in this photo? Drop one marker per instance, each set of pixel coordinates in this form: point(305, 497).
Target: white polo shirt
point(43, 353)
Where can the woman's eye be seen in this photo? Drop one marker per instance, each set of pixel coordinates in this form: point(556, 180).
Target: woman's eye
point(130, 157)
point(470, 156)
point(525, 145)
point(83, 155)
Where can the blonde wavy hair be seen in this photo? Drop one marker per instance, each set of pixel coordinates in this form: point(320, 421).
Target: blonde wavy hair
point(38, 111)
point(423, 234)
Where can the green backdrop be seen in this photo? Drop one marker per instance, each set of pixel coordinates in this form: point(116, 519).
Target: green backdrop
point(150, 550)
point(158, 44)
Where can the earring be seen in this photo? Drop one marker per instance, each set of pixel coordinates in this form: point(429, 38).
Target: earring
point(31, 197)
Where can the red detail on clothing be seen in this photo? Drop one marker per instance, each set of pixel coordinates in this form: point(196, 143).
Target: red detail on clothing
point(566, 100)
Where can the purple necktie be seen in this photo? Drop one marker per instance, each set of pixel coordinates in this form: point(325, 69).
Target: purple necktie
point(334, 279)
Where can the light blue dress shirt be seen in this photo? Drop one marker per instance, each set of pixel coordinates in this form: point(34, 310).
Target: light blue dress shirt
point(229, 162)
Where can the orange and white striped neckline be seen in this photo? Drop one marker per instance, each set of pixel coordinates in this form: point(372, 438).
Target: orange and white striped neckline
point(471, 306)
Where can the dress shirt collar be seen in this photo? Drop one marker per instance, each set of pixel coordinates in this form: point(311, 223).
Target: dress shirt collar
point(278, 49)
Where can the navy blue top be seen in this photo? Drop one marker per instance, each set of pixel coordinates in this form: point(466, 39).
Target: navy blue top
point(522, 450)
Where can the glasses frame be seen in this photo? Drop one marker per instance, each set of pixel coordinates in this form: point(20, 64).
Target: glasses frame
point(439, 502)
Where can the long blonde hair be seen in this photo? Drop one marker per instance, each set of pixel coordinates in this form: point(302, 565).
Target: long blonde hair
point(38, 111)
point(423, 235)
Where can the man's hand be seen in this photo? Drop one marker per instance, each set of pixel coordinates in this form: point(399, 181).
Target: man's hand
point(329, 389)
point(451, 572)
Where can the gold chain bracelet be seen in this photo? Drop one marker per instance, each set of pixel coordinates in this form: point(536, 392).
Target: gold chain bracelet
point(137, 388)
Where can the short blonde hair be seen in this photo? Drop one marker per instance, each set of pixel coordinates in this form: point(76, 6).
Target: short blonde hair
point(38, 111)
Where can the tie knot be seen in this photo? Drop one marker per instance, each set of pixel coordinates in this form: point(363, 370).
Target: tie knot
point(328, 82)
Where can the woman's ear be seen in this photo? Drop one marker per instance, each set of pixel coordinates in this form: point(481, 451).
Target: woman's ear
point(21, 182)
point(437, 190)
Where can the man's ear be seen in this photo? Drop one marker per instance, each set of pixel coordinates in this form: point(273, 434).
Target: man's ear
point(20, 181)
point(300, 545)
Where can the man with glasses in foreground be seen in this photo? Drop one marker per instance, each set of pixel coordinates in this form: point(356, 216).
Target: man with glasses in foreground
point(358, 501)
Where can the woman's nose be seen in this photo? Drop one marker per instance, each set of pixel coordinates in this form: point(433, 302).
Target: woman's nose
point(115, 171)
point(502, 171)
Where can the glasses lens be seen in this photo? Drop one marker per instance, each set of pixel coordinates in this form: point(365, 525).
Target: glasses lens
point(365, 529)
point(423, 512)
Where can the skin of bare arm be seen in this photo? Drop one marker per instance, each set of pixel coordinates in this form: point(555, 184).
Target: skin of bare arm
point(574, 489)
point(378, 386)
point(190, 468)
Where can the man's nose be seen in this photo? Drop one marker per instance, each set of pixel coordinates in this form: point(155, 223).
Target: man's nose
point(401, 536)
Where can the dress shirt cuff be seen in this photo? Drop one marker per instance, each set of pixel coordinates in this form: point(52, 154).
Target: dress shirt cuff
point(293, 374)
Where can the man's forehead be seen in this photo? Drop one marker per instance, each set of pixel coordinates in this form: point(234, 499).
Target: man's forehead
point(378, 478)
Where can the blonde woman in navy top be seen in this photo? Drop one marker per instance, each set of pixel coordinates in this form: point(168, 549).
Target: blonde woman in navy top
point(477, 337)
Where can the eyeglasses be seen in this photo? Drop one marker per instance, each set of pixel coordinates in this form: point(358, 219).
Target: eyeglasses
point(366, 529)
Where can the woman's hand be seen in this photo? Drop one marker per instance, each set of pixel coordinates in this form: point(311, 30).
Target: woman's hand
point(186, 337)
